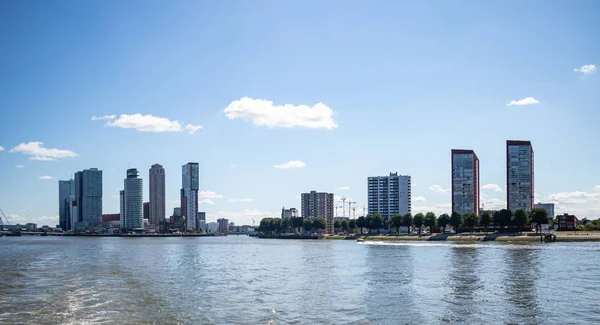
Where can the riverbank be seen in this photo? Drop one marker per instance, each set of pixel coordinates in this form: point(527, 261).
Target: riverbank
point(567, 237)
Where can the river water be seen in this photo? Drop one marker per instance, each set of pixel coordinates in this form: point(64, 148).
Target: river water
point(242, 280)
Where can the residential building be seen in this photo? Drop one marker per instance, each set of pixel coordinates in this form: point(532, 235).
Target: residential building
point(66, 194)
point(157, 195)
point(567, 222)
point(133, 201)
point(189, 194)
point(388, 195)
point(285, 213)
point(146, 210)
point(223, 225)
point(519, 175)
point(318, 204)
point(88, 199)
point(549, 207)
point(212, 227)
point(465, 182)
point(201, 216)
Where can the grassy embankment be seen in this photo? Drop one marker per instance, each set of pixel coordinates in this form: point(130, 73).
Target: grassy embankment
point(571, 236)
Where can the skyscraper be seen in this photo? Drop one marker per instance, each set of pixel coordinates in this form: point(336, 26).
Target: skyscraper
point(190, 181)
point(66, 193)
point(388, 195)
point(465, 182)
point(157, 195)
point(122, 208)
point(317, 204)
point(519, 175)
point(133, 200)
point(88, 198)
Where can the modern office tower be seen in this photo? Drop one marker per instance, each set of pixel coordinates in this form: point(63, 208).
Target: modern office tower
point(190, 180)
point(549, 207)
point(465, 182)
point(146, 213)
point(202, 216)
point(285, 213)
point(519, 175)
point(157, 195)
point(133, 200)
point(318, 204)
point(122, 209)
point(388, 195)
point(88, 198)
point(66, 193)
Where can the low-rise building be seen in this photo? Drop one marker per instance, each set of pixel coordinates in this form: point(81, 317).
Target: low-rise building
point(567, 222)
point(291, 212)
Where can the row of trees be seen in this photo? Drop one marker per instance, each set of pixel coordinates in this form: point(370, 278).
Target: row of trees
point(502, 219)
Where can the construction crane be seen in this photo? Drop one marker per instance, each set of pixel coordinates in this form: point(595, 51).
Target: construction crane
point(2, 221)
point(336, 210)
point(344, 207)
point(350, 207)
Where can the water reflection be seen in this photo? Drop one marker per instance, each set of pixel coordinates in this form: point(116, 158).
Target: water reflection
point(464, 285)
point(520, 285)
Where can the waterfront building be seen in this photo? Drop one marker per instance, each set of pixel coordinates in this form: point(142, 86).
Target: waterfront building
point(223, 225)
point(291, 212)
point(66, 194)
point(567, 222)
point(519, 175)
point(189, 194)
point(157, 208)
point(388, 195)
point(133, 200)
point(201, 216)
point(549, 207)
point(212, 227)
point(146, 210)
point(88, 199)
point(177, 212)
point(122, 209)
point(465, 182)
point(318, 204)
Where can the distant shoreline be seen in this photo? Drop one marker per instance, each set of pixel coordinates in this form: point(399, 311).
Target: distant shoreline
point(582, 237)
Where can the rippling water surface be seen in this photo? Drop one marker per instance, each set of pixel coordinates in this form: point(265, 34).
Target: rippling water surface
point(241, 280)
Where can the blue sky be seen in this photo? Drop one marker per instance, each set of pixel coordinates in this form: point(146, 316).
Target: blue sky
point(400, 84)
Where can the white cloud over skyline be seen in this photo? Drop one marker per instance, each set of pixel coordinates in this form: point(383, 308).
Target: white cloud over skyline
point(291, 164)
point(206, 201)
point(573, 197)
point(241, 200)
point(492, 187)
point(209, 195)
point(524, 102)
point(438, 189)
point(37, 152)
point(19, 166)
point(419, 199)
point(586, 69)
point(46, 177)
point(1, 148)
point(263, 113)
point(146, 123)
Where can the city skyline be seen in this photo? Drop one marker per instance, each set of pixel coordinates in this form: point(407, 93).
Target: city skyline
point(282, 100)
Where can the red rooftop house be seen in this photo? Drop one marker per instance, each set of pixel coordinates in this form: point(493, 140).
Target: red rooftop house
point(567, 222)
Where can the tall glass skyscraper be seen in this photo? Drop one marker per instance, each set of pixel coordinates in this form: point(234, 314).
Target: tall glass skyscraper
point(519, 175)
point(465, 182)
point(88, 199)
point(190, 181)
point(66, 193)
point(133, 201)
point(157, 195)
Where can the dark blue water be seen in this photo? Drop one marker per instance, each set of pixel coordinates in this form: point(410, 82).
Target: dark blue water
point(241, 280)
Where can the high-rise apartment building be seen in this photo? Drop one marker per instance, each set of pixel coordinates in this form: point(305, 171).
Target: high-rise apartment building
point(157, 211)
point(88, 199)
point(190, 183)
point(133, 200)
point(388, 195)
point(318, 204)
point(465, 182)
point(287, 213)
point(519, 175)
point(223, 225)
point(66, 195)
point(122, 209)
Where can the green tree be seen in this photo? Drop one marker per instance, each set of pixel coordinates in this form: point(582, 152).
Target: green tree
point(286, 223)
point(471, 220)
point(407, 221)
point(376, 222)
point(368, 222)
point(456, 220)
point(443, 221)
point(396, 222)
point(337, 225)
point(485, 220)
point(540, 217)
point(345, 225)
point(276, 225)
point(418, 221)
point(319, 224)
point(430, 221)
point(502, 218)
point(361, 223)
point(352, 225)
point(297, 223)
point(520, 219)
point(265, 226)
point(308, 224)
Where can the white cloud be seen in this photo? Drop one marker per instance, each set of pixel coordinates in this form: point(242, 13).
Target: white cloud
point(49, 218)
point(209, 195)
point(437, 188)
point(523, 102)
point(146, 123)
point(105, 117)
point(263, 113)
point(46, 177)
point(19, 166)
point(493, 203)
point(241, 200)
point(437, 209)
point(493, 187)
point(586, 69)
point(1, 148)
point(419, 199)
point(15, 218)
point(342, 188)
point(38, 152)
point(597, 188)
point(291, 164)
point(206, 201)
point(573, 197)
